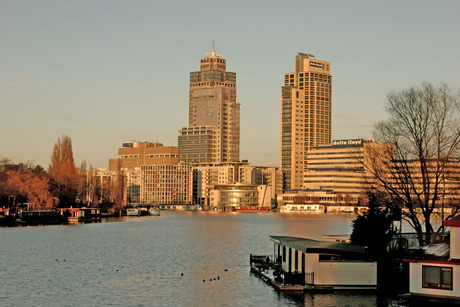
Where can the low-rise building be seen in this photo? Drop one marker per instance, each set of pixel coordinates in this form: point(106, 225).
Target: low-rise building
point(219, 177)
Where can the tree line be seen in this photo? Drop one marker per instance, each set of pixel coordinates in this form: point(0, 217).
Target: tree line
point(62, 185)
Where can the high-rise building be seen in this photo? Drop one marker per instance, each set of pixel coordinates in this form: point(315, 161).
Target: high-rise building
point(213, 133)
point(305, 115)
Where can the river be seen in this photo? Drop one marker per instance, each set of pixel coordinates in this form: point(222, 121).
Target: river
point(176, 259)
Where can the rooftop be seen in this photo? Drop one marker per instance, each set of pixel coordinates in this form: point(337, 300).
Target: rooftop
point(314, 246)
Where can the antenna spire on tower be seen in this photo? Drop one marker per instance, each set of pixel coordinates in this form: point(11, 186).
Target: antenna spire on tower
point(213, 51)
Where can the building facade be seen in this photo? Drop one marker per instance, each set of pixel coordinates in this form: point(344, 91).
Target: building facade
point(336, 175)
point(213, 132)
point(207, 178)
point(166, 184)
point(131, 157)
point(134, 155)
point(306, 99)
point(341, 168)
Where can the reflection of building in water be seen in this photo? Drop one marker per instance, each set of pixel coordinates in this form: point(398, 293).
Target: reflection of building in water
point(213, 132)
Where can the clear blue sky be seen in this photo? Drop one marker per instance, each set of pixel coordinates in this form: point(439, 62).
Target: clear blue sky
point(108, 72)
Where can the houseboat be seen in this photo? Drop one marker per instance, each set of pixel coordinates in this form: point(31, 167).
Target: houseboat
point(149, 210)
point(42, 217)
point(133, 212)
point(434, 270)
point(299, 264)
point(82, 215)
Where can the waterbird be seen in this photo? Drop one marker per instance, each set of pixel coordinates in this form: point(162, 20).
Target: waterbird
point(181, 274)
point(204, 280)
point(225, 270)
point(218, 278)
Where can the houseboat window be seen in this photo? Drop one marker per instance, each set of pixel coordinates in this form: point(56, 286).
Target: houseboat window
point(329, 258)
point(296, 262)
point(436, 277)
point(290, 260)
point(284, 253)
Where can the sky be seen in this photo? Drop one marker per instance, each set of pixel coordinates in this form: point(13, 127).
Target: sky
point(108, 72)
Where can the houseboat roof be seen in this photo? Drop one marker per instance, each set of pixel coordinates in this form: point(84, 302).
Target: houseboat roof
point(453, 222)
point(324, 247)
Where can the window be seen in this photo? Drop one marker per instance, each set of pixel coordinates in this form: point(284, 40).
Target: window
point(436, 277)
point(296, 261)
point(284, 253)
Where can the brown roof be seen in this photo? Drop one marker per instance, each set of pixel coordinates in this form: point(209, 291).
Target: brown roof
point(453, 222)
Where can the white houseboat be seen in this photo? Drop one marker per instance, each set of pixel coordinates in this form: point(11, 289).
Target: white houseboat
point(304, 264)
point(434, 270)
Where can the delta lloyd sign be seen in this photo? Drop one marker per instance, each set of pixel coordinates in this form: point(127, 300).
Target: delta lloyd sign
point(353, 142)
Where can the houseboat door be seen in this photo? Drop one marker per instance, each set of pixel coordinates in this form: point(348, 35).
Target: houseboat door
point(290, 260)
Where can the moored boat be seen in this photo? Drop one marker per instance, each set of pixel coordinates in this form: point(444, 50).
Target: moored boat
point(133, 212)
point(155, 211)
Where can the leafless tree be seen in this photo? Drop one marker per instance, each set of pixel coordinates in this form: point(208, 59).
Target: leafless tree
point(62, 169)
point(420, 173)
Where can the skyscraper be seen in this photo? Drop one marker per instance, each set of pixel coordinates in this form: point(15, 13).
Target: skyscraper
point(213, 133)
point(305, 115)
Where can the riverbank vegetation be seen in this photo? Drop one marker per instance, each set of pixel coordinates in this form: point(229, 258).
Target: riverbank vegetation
point(62, 185)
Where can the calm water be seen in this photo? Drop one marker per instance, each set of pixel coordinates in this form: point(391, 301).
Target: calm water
point(139, 261)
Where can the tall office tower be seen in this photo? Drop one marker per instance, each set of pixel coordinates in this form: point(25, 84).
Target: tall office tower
point(213, 133)
point(305, 115)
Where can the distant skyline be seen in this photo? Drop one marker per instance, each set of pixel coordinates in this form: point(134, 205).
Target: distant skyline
point(108, 72)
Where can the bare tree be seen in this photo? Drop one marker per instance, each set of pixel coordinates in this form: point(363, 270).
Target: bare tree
point(420, 173)
point(62, 169)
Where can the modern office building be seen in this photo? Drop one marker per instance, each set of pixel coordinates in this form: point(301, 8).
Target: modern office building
point(336, 175)
point(232, 177)
point(166, 184)
point(213, 132)
point(341, 168)
point(305, 115)
point(231, 197)
point(134, 155)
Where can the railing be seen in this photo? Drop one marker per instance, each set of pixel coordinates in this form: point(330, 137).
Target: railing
point(294, 279)
point(260, 261)
point(264, 262)
point(310, 278)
